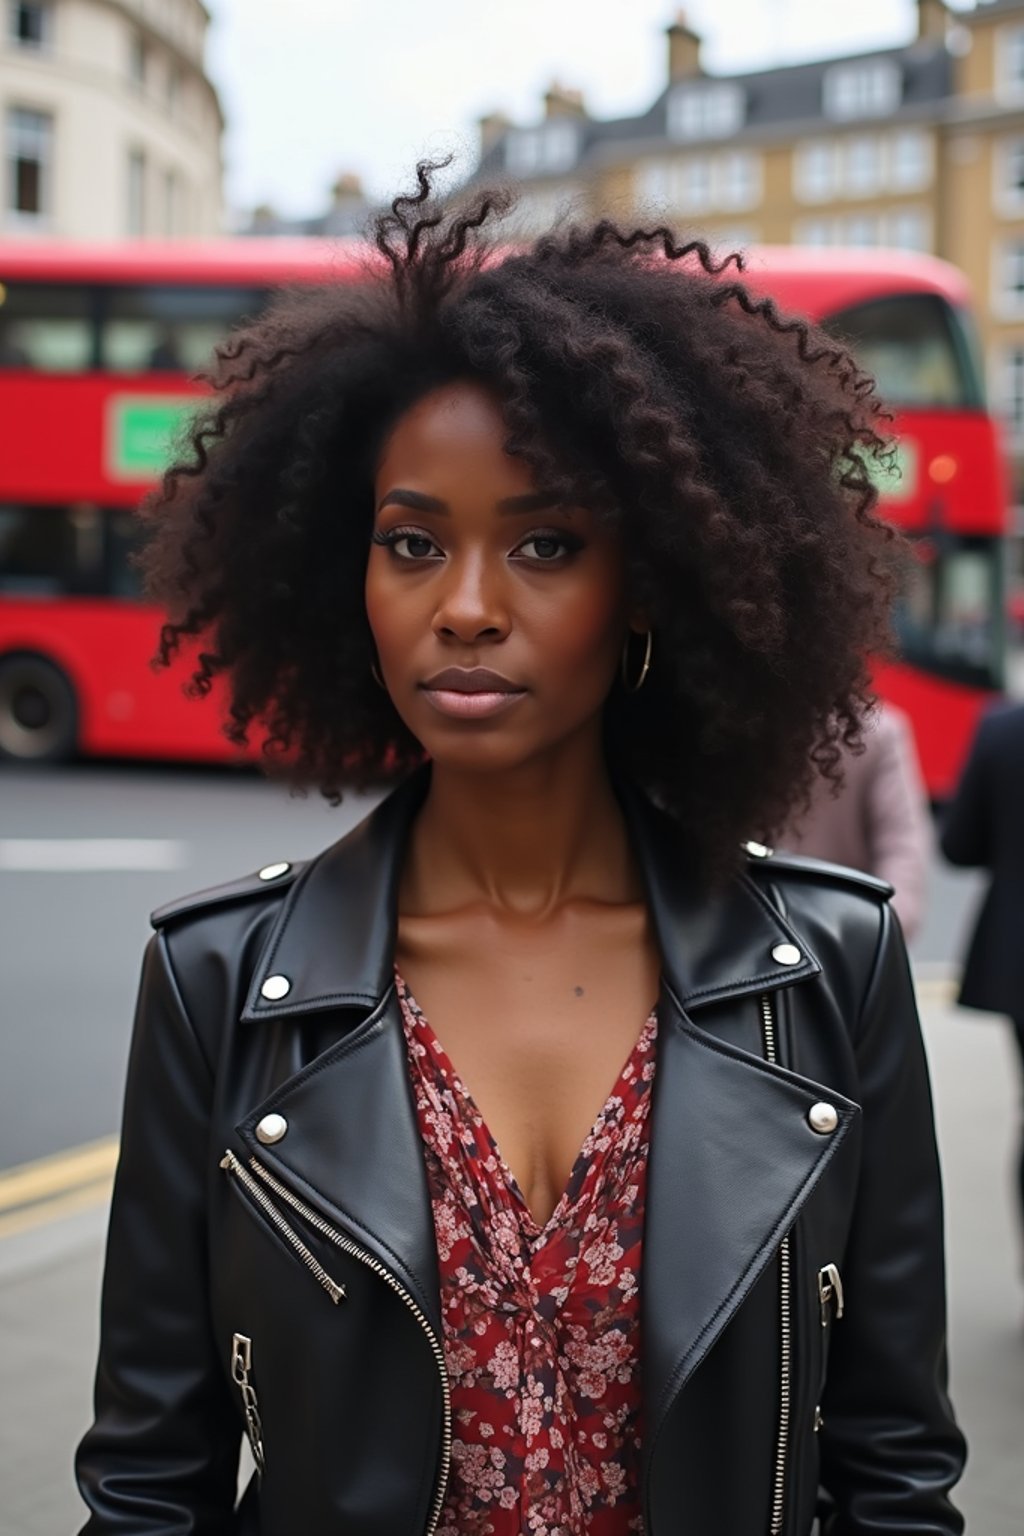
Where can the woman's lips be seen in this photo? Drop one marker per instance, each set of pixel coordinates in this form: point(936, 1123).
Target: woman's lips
point(471, 693)
point(478, 705)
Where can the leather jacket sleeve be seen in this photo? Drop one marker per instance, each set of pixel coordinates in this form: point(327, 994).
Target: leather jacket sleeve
point(162, 1455)
point(890, 1447)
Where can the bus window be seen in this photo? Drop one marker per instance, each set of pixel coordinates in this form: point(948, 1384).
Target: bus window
point(914, 348)
point(170, 329)
point(46, 327)
point(949, 619)
point(79, 551)
point(123, 540)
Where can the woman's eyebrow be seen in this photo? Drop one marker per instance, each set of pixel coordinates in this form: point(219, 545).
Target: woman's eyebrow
point(419, 501)
point(533, 501)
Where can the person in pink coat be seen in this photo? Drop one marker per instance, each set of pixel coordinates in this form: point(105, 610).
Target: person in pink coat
point(879, 821)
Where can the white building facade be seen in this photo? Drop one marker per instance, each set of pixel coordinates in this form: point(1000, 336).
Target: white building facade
point(110, 125)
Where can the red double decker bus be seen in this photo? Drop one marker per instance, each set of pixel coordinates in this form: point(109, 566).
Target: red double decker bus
point(97, 346)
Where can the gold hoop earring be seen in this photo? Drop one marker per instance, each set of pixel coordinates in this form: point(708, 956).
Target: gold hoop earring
point(375, 674)
point(645, 668)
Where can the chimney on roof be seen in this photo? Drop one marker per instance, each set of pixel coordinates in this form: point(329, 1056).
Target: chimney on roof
point(932, 21)
point(347, 188)
point(683, 49)
point(493, 126)
point(560, 101)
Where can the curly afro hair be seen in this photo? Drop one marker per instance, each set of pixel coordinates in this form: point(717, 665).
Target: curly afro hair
point(638, 376)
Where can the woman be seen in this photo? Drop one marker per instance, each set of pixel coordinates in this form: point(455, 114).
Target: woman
point(553, 539)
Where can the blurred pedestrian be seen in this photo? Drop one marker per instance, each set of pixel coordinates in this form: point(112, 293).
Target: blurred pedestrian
point(984, 829)
point(548, 534)
point(879, 821)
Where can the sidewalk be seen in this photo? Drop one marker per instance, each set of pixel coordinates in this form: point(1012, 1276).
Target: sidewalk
point(49, 1284)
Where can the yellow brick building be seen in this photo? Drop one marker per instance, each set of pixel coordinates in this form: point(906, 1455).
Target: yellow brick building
point(919, 147)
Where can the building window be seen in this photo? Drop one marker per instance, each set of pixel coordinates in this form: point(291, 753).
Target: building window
point(172, 200)
point(136, 192)
point(815, 171)
point(863, 171)
point(1008, 169)
point(173, 89)
point(546, 150)
point(699, 184)
point(816, 232)
point(1008, 390)
point(1008, 279)
point(138, 59)
point(862, 230)
point(736, 180)
point(910, 160)
point(705, 111)
point(29, 162)
point(862, 90)
point(908, 229)
point(1010, 63)
point(30, 23)
point(540, 208)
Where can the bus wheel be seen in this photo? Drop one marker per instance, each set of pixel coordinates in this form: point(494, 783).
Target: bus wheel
point(38, 711)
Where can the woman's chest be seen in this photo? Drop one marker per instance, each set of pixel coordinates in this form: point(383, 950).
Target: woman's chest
point(537, 1040)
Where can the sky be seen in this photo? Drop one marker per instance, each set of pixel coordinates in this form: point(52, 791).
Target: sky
point(312, 88)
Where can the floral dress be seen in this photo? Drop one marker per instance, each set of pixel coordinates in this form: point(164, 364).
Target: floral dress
point(541, 1325)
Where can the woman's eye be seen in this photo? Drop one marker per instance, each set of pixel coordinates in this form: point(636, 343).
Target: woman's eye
point(546, 547)
point(407, 544)
point(413, 546)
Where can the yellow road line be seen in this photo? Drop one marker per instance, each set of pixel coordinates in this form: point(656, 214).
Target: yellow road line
point(89, 1196)
point(58, 1174)
point(938, 989)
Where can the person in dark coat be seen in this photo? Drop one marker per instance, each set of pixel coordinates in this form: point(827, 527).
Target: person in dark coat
point(984, 828)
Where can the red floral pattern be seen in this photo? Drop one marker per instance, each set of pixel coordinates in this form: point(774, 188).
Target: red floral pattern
point(541, 1325)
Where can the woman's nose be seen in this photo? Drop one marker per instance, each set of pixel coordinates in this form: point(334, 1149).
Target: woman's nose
point(471, 604)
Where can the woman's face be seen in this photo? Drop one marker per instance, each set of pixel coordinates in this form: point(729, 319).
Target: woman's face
point(499, 617)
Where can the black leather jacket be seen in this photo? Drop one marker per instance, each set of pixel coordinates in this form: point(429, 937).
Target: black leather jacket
point(272, 1268)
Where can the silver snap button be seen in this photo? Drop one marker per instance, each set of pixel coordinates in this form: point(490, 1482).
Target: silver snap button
point(273, 871)
point(786, 954)
point(271, 1128)
point(758, 850)
point(275, 987)
point(823, 1118)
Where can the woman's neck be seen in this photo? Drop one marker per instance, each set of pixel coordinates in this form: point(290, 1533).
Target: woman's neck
point(526, 841)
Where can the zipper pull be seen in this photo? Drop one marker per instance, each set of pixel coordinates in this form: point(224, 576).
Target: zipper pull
point(241, 1365)
point(830, 1293)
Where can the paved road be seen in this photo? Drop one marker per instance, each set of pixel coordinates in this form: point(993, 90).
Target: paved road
point(71, 941)
point(69, 950)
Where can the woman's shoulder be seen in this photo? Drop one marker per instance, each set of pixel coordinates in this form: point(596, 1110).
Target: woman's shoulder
point(843, 915)
point(261, 884)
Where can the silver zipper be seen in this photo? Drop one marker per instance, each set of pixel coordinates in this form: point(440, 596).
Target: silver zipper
point(778, 1505)
point(241, 1368)
point(335, 1291)
point(832, 1304)
point(231, 1164)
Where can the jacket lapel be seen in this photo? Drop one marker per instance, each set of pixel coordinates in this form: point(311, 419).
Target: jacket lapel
point(732, 1160)
point(732, 1156)
point(352, 1148)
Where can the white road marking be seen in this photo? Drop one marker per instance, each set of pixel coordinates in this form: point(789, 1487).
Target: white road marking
point(86, 855)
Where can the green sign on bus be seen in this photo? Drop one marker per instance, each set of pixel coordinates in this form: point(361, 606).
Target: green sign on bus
point(142, 432)
point(897, 479)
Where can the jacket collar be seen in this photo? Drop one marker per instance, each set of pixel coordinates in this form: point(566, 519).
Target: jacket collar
point(334, 938)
